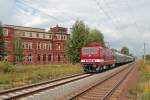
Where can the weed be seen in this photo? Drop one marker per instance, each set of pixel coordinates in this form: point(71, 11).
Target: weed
point(18, 75)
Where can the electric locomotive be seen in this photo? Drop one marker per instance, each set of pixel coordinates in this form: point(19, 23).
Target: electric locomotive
point(96, 58)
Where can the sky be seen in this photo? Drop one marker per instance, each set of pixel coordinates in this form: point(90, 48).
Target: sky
point(122, 22)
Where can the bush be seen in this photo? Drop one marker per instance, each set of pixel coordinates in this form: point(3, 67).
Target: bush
point(6, 67)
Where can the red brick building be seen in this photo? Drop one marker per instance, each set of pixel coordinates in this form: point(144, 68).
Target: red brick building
point(39, 46)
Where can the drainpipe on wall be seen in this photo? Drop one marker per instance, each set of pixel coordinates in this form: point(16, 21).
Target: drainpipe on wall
point(53, 59)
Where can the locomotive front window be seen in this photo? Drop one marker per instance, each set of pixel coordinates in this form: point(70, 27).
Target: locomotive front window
point(89, 51)
point(101, 51)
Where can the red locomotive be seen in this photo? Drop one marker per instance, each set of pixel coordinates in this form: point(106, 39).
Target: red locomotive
point(96, 58)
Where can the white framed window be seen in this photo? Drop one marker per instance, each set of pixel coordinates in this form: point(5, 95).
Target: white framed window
point(64, 37)
point(6, 44)
point(27, 34)
point(30, 57)
point(38, 45)
point(24, 58)
point(23, 45)
point(44, 45)
point(30, 34)
point(41, 46)
point(37, 35)
point(59, 37)
point(50, 36)
point(43, 35)
point(58, 46)
point(23, 34)
point(49, 46)
point(5, 58)
point(29, 45)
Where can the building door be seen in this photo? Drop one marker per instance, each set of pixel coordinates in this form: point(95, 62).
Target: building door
point(49, 58)
point(44, 58)
point(58, 58)
point(38, 58)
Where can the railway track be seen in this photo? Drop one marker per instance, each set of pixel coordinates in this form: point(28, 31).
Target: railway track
point(103, 89)
point(20, 92)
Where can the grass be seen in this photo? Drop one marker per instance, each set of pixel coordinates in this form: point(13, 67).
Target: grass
point(142, 90)
point(13, 76)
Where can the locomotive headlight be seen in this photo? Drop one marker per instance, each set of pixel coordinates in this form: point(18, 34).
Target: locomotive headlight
point(97, 60)
point(82, 60)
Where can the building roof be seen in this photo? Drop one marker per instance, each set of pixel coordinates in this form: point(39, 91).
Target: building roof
point(57, 29)
point(25, 28)
point(96, 44)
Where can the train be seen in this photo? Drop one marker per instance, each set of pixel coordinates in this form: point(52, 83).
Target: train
point(97, 58)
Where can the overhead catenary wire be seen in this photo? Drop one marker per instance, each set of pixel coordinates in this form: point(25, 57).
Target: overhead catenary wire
point(117, 19)
point(39, 11)
point(132, 17)
point(25, 2)
point(59, 20)
point(55, 18)
point(64, 13)
point(105, 13)
point(135, 24)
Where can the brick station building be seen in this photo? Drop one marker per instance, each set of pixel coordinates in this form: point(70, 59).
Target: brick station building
point(39, 46)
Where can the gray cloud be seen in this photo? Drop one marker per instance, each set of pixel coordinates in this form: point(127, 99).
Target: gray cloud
point(128, 22)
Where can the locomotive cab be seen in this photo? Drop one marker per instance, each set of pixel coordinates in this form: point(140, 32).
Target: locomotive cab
point(96, 58)
point(92, 58)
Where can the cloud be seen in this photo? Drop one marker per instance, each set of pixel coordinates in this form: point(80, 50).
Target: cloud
point(127, 22)
point(6, 9)
point(36, 21)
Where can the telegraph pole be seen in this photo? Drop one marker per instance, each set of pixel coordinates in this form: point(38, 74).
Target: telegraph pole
point(144, 53)
point(107, 44)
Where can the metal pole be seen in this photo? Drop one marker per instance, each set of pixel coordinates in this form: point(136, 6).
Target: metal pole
point(144, 54)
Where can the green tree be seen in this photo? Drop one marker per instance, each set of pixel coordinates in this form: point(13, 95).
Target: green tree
point(2, 43)
point(130, 54)
point(125, 50)
point(115, 50)
point(147, 57)
point(96, 36)
point(18, 49)
point(79, 38)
